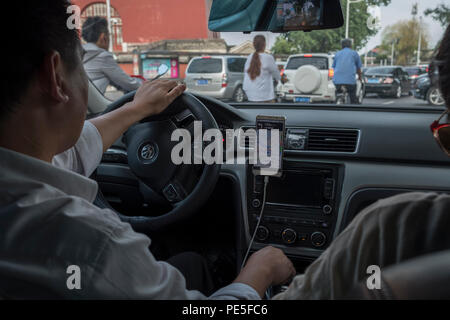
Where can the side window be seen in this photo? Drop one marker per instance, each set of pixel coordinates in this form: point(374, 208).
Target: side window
point(236, 64)
point(241, 64)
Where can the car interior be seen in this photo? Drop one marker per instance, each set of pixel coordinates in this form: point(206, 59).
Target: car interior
point(337, 160)
point(347, 158)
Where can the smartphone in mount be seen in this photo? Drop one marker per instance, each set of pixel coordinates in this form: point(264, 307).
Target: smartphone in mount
point(269, 141)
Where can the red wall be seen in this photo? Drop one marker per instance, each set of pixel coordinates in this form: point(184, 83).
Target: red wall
point(152, 20)
point(127, 67)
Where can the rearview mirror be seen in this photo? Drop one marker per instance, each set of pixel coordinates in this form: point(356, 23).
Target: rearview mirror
point(275, 15)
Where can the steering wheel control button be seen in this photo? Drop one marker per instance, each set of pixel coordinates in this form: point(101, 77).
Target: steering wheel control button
point(171, 193)
point(148, 152)
point(262, 234)
point(318, 239)
point(289, 236)
point(256, 203)
point(327, 209)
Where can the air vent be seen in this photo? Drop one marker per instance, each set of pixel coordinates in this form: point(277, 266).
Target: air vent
point(332, 140)
point(244, 141)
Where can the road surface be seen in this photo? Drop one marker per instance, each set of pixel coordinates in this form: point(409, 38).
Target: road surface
point(393, 102)
point(370, 99)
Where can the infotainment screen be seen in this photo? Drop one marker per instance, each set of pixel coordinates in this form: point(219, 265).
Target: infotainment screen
point(296, 189)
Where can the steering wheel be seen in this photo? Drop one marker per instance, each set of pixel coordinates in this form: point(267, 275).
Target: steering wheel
point(183, 188)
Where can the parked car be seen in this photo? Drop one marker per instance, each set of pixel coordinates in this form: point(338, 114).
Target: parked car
point(415, 71)
point(309, 78)
point(219, 77)
point(390, 81)
point(424, 90)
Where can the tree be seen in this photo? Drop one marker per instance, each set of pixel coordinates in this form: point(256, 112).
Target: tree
point(441, 14)
point(405, 34)
point(330, 40)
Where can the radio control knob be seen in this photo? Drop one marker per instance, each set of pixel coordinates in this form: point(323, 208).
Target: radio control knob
point(327, 209)
point(318, 239)
point(289, 236)
point(262, 234)
point(256, 203)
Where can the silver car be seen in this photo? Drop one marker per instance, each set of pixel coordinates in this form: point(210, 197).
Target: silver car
point(220, 77)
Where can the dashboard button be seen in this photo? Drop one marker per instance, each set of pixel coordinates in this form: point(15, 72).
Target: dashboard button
point(256, 203)
point(318, 239)
point(327, 209)
point(262, 234)
point(289, 236)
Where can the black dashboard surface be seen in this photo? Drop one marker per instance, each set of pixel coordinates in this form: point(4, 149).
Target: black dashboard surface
point(386, 134)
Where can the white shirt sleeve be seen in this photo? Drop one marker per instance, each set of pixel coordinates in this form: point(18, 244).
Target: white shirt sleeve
point(116, 75)
point(85, 156)
point(126, 269)
point(274, 68)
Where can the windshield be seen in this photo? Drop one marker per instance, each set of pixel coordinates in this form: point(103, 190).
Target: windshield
point(296, 62)
point(384, 37)
point(205, 65)
point(380, 71)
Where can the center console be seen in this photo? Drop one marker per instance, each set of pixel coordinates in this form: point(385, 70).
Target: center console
point(301, 205)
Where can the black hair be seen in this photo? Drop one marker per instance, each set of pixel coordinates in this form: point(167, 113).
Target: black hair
point(346, 43)
point(36, 29)
point(442, 63)
point(93, 27)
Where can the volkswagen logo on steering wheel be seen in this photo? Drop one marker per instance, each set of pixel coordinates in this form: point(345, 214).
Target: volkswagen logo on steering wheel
point(149, 152)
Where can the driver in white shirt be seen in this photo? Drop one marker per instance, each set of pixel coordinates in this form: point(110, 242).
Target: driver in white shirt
point(47, 151)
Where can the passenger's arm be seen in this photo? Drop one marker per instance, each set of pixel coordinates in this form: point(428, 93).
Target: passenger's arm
point(358, 65)
point(274, 69)
point(359, 72)
point(151, 98)
point(117, 76)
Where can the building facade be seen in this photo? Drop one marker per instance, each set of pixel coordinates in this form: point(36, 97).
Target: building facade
point(137, 24)
point(146, 21)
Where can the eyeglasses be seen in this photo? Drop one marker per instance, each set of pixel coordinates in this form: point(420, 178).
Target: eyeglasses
point(441, 132)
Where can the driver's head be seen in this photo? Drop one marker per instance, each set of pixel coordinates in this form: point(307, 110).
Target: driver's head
point(346, 43)
point(44, 86)
point(95, 30)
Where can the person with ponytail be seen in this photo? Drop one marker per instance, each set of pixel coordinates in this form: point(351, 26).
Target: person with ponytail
point(260, 70)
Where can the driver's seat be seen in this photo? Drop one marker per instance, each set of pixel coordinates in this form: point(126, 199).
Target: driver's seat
point(425, 277)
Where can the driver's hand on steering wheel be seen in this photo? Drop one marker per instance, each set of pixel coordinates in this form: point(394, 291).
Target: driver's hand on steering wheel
point(266, 267)
point(154, 96)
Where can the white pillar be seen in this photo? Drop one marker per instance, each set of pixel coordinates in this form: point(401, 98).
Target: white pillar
point(392, 53)
point(419, 45)
point(347, 18)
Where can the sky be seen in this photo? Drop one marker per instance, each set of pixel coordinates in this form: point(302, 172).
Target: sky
point(396, 11)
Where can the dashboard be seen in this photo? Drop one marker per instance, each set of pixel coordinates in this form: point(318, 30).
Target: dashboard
point(337, 161)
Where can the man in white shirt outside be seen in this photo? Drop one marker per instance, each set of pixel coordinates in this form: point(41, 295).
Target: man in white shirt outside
point(99, 63)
